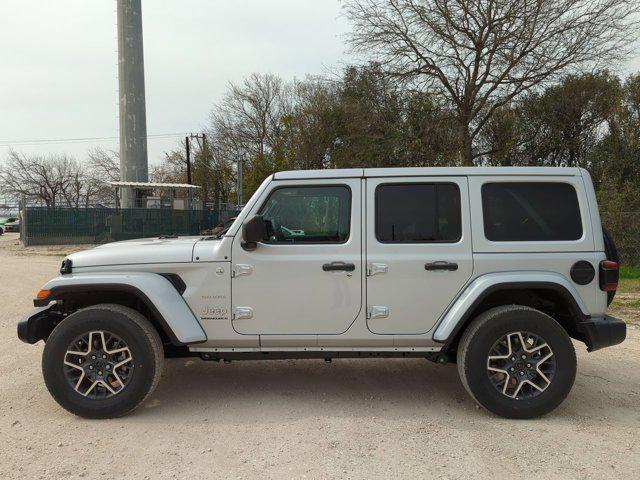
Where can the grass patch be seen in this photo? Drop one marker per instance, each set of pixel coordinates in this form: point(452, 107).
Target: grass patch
point(627, 307)
point(629, 285)
point(630, 272)
point(633, 303)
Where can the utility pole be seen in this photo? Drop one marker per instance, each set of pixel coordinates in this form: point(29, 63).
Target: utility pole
point(203, 152)
point(134, 166)
point(239, 187)
point(187, 144)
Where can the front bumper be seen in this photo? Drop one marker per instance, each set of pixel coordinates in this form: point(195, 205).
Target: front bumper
point(38, 324)
point(601, 332)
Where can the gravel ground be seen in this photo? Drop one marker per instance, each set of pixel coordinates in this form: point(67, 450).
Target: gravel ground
point(307, 419)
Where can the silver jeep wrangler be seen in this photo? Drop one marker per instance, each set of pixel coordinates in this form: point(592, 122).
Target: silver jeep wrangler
point(495, 269)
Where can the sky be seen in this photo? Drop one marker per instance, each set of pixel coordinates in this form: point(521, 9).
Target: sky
point(59, 64)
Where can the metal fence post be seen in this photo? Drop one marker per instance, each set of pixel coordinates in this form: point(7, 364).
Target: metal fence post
point(24, 234)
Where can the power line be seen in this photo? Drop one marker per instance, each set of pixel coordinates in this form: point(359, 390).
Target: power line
point(61, 141)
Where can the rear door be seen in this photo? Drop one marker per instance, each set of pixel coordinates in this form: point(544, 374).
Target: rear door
point(418, 252)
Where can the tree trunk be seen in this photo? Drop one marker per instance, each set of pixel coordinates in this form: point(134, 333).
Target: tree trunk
point(466, 144)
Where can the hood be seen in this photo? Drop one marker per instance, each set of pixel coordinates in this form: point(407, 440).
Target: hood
point(140, 251)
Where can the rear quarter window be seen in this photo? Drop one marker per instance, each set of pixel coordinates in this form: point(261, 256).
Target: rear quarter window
point(531, 211)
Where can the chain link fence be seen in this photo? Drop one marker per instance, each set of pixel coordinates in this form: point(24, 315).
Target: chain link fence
point(42, 226)
point(59, 226)
point(625, 230)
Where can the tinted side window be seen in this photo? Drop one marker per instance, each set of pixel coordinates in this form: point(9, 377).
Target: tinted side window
point(530, 211)
point(418, 213)
point(308, 214)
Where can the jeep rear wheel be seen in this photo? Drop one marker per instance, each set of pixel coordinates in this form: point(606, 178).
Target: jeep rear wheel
point(102, 361)
point(517, 362)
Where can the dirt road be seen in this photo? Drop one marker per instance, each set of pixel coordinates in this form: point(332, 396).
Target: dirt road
point(307, 419)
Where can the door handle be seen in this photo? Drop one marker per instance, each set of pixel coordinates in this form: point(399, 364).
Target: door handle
point(241, 313)
point(376, 311)
point(241, 269)
point(441, 265)
point(376, 268)
point(338, 266)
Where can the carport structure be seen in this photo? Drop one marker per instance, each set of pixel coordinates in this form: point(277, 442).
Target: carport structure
point(150, 194)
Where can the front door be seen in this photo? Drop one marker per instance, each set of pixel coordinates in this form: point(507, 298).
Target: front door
point(306, 278)
point(418, 250)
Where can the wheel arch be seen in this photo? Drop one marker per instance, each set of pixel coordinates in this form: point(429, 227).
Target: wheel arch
point(77, 297)
point(151, 294)
point(549, 293)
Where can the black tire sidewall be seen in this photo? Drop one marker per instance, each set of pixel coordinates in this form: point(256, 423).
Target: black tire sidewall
point(513, 321)
point(80, 323)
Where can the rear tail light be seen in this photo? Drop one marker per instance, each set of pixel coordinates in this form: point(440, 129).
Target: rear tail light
point(609, 273)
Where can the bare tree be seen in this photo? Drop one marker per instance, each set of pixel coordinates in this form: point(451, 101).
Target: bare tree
point(58, 179)
point(72, 181)
point(247, 126)
point(249, 116)
point(103, 167)
point(172, 169)
point(36, 178)
point(104, 164)
point(481, 54)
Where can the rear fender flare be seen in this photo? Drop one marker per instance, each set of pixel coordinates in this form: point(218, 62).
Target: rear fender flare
point(458, 314)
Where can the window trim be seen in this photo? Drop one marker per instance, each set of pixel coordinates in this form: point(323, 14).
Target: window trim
point(529, 241)
point(424, 242)
point(297, 185)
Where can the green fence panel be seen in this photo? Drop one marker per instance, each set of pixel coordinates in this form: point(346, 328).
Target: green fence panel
point(98, 225)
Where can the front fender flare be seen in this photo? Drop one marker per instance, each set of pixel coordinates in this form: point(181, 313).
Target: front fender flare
point(478, 289)
point(157, 293)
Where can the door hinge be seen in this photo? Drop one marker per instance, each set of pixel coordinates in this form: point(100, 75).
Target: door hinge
point(240, 269)
point(242, 313)
point(377, 311)
point(376, 268)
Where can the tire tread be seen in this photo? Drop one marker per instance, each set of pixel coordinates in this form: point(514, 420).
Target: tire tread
point(154, 340)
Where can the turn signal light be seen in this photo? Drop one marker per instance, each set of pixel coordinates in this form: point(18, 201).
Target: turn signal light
point(42, 294)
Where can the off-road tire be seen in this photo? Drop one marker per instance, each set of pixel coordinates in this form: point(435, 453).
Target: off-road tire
point(477, 341)
point(129, 325)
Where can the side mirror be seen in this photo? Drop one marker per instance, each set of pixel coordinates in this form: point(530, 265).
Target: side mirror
point(253, 231)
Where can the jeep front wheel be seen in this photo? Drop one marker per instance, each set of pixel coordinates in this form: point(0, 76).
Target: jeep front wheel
point(102, 361)
point(516, 362)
